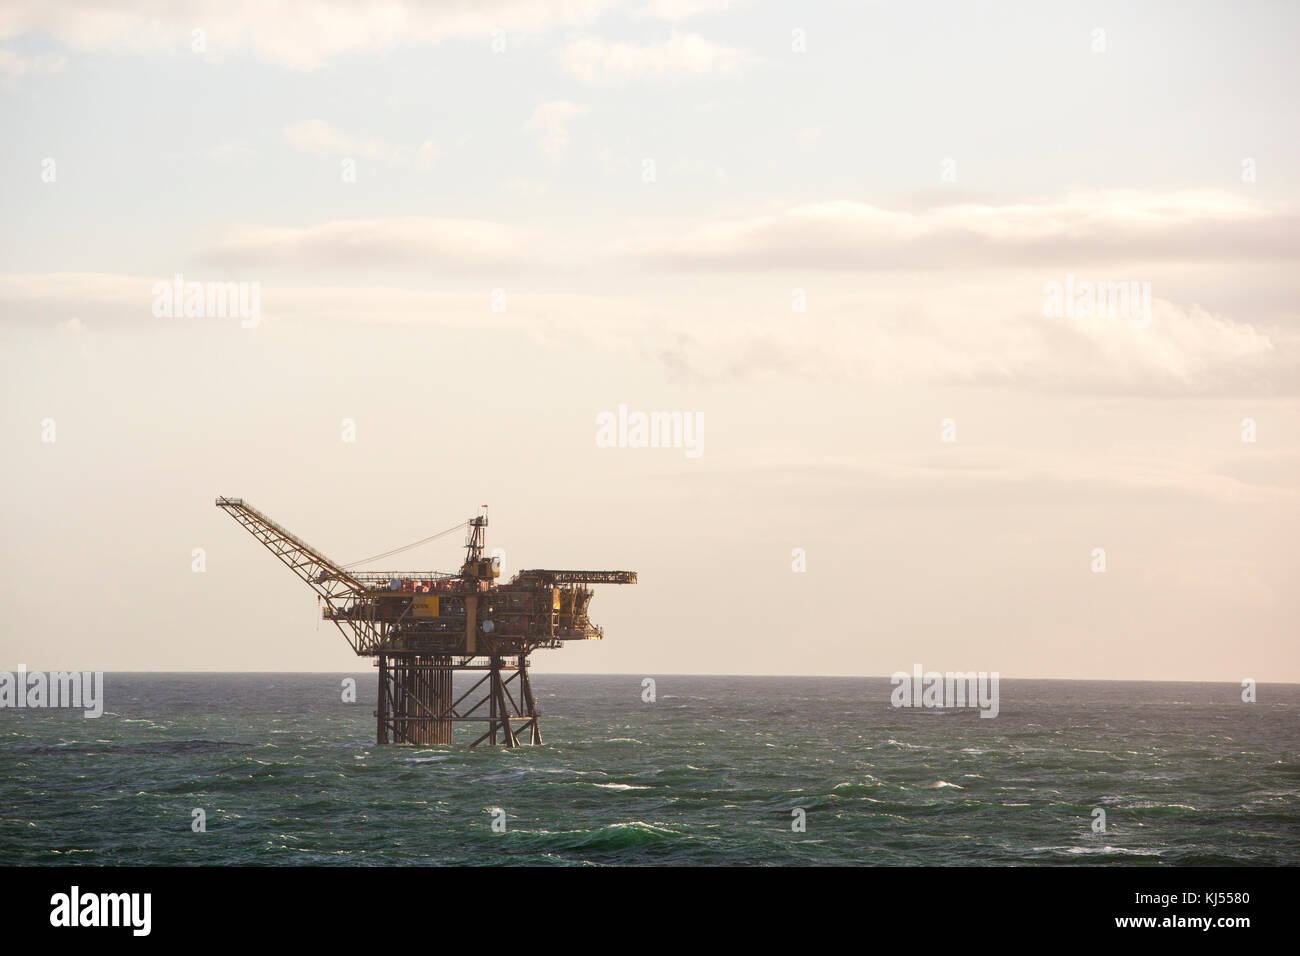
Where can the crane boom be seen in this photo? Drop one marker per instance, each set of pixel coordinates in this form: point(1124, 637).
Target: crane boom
point(327, 578)
point(335, 586)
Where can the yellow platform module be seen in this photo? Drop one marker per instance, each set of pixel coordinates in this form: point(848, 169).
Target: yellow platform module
point(424, 607)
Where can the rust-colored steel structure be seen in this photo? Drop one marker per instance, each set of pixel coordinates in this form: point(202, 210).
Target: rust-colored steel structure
point(425, 627)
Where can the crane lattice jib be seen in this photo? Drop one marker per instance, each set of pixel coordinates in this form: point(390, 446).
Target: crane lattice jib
point(335, 586)
point(326, 577)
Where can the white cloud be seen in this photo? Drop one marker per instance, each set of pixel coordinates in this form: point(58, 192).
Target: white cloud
point(13, 64)
point(899, 311)
point(551, 122)
point(679, 9)
point(525, 188)
point(994, 470)
point(594, 60)
point(885, 338)
point(945, 338)
point(233, 153)
point(297, 34)
point(439, 246)
point(317, 136)
point(77, 303)
point(1080, 228)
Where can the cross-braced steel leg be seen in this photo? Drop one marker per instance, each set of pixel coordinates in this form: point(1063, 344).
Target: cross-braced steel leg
point(417, 705)
point(527, 700)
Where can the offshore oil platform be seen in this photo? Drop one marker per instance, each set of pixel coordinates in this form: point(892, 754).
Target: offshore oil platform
point(425, 627)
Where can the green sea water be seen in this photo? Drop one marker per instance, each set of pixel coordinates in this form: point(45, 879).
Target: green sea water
point(713, 771)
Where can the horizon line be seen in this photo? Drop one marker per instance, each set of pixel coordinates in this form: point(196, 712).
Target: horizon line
point(642, 674)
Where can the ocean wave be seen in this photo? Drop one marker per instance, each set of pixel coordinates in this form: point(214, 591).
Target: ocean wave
point(161, 748)
point(1097, 850)
point(632, 835)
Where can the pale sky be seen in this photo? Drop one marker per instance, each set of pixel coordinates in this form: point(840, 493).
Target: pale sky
point(825, 228)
